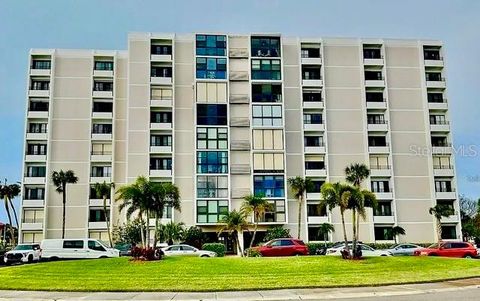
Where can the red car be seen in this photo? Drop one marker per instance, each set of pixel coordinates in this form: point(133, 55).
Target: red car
point(283, 247)
point(449, 249)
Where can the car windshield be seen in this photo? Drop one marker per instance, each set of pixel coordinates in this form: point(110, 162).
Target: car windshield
point(23, 247)
point(434, 246)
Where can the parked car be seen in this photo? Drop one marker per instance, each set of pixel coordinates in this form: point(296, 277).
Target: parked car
point(449, 249)
point(82, 248)
point(22, 253)
point(2, 253)
point(124, 249)
point(283, 247)
point(186, 250)
point(403, 249)
point(366, 250)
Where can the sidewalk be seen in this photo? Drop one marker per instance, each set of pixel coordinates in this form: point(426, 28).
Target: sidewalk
point(287, 294)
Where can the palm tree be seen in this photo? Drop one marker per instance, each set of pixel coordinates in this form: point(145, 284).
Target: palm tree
point(324, 230)
point(9, 192)
point(60, 180)
point(257, 205)
point(171, 232)
point(233, 223)
point(356, 173)
point(165, 195)
point(337, 195)
point(438, 212)
point(396, 231)
point(104, 191)
point(299, 187)
point(137, 197)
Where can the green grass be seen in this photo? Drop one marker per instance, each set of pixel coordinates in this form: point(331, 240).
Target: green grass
point(231, 273)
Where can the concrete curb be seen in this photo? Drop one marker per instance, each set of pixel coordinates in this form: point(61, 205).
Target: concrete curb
point(286, 294)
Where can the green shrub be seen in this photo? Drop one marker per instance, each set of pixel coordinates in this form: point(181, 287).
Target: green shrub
point(277, 232)
point(252, 252)
point(218, 248)
point(194, 236)
point(313, 246)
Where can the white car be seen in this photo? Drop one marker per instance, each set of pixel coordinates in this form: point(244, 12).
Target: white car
point(366, 251)
point(81, 248)
point(186, 250)
point(23, 253)
point(403, 249)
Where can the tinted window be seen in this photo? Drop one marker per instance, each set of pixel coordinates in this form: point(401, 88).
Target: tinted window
point(187, 248)
point(458, 245)
point(275, 243)
point(94, 245)
point(73, 244)
point(287, 243)
point(211, 114)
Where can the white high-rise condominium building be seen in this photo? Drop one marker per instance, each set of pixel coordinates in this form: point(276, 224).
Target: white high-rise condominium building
point(226, 115)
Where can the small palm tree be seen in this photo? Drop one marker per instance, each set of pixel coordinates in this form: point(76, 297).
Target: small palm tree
point(60, 180)
point(165, 195)
point(104, 191)
point(396, 231)
point(7, 193)
point(257, 205)
point(171, 232)
point(337, 195)
point(299, 187)
point(234, 222)
point(324, 230)
point(438, 212)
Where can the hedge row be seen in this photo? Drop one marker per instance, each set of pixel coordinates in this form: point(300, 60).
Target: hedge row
point(218, 248)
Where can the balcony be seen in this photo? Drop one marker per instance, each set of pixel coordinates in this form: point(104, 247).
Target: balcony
point(37, 114)
point(156, 80)
point(161, 103)
point(100, 179)
point(161, 126)
point(238, 76)
point(161, 57)
point(313, 104)
point(314, 196)
point(315, 149)
point(33, 225)
point(382, 105)
point(312, 82)
point(39, 93)
point(37, 136)
point(160, 173)
point(455, 218)
point(102, 136)
point(443, 170)
point(376, 83)
point(314, 127)
point(380, 170)
point(312, 61)
point(239, 122)
point(373, 61)
point(98, 202)
point(435, 80)
point(35, 158)
point(317, 219)
point(239, 99)
point(445, 195)
point(238, 52)
point(103, 73)
point(160, 149)
point(40, 72)
point(443, 106)
point(316, 172)
point(378, 126)
point(163, 221)
point(102, 94)
point(33, 203)
point(384, 219)
point(240, 169)
point(240, 145)
point(101, 157)
point(442, 148)
point(379, 149)
point(102, 115)
point(97, 225)
point(440, 126)
point(384, 195)
point(33, 180)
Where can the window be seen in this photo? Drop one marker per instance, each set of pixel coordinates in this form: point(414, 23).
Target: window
point(383, 233)
point(161, 49)
point(268, 139)
point(37, 128)
point(36, 171)
point(442, 162)
point(211, 68)
point(157, 93)
point(41, 64)
point(311, 73)
point(314, 234)
point(36, 149)
point(266, 69)
point(102, 86)
point(383, 209)
point(212, 187)
point(268, 163)
point(315, 118)
point(161, 71)
point(377, 141)
point(266, 93)
point(211, 114)
point(32, 237)
point(35, 193)
point(372, 53)
point(380, 186)
point(316, 186)
point(99, 128)
point(160, 163)
point(373, 75)
point(310, 52)
point(431, 53)
point(379, 162)
point(447, 204)
point(440, 141)
point(314, 165)
point(101, 149)
point(434, 76)
point(265, 46)
point(266, 115)
point(212, 162)
point(312, 95)
point(212, 138)
point(211, 211)
point(374, 96)
point(269, 186)
point(39, 85)
point(38, 106)
point(102, 107)
point(443, 186)
point(211, 92)
point(101, 171)
point(94, 245)
point(435, 97)
point(98, 215)
point(161, 140)
point(103, 66)
point(449, 232)
point(276, 212)
point(93, 193)
point(211, 45)
point(33, 216)
point(161, 117)
point(375, 119)
point(73, 244)
point(316, 210)
point(313, 141)
point(438, 119)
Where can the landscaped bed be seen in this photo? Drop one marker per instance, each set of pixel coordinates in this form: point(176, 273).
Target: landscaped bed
point(231, 273)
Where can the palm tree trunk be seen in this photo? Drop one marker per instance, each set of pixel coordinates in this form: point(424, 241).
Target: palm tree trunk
point(14, 213)
point(147, 235)
point(12, 231)
point(107, 220)
point(344, 232)
point(142, 233)
point(439, 231)
point(155, 234)
point(358, 226)
point(64, 197)
point(254, 234)
point(354, 229)
point(239, 248)
point(300, 201)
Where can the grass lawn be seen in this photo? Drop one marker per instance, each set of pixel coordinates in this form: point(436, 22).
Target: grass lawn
point(231, 273)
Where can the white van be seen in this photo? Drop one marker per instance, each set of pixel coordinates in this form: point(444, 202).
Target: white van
point(75, 249)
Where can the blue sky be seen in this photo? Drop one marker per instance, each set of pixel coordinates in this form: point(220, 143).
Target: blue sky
point(104, 25)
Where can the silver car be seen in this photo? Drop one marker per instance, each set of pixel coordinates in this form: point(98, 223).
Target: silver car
point(186, 250)
point(403, 249)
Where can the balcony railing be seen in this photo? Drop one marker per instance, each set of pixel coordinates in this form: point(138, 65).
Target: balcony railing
point(100, 153)
point(444, 189)
point(376, 121)
point(442, 166)
point(441, 144)
point(380, 166)
point(32, 220)
point(439, 122)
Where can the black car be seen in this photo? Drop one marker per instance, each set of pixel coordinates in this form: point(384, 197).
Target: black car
point(124, 248)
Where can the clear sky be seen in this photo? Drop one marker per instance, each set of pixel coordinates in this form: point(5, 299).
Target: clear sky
point(104, 24)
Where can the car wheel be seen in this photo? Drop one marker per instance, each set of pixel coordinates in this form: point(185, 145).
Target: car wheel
point(468, 256)
point(30, 258)
point(54, 258)
point(103, 257)
point(432, 254)
point(204, 256)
